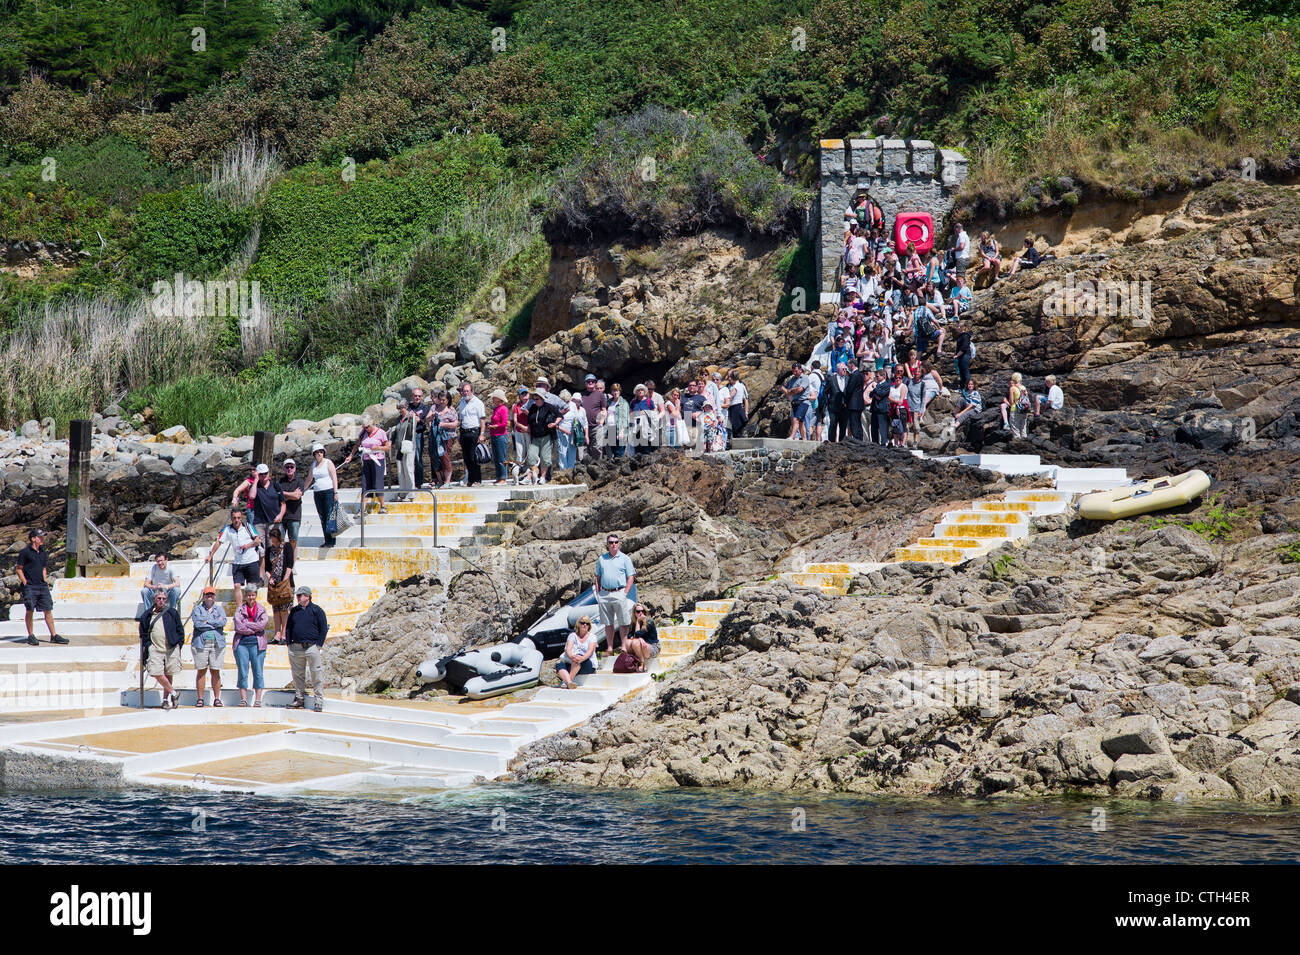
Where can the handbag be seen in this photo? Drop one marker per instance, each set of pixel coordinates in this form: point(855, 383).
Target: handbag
point(332, 522)
point(280, 594)
point(407, 447)
point(627, 663)
point(481, 453)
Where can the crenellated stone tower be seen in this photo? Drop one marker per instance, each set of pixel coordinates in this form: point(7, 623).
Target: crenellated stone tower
point(901, 175)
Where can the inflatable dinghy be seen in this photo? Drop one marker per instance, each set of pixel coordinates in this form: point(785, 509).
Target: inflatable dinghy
point(1154, 495)
point(487, 671)
point(550, 633)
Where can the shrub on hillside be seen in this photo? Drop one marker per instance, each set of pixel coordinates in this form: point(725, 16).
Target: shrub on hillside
point(188, 231)
point(662, 172)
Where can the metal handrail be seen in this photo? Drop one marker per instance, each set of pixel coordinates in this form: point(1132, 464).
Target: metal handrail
point(212, 575)
point(385, 493)
point(117, 551)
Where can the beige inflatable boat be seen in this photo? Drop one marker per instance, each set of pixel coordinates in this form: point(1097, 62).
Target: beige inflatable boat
point(1154, 495)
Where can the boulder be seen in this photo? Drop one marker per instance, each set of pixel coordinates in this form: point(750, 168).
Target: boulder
point(176, 434)
point(1083, 758)
point(402, 389)
point(1133, 766)
point(31, 429)
point(1136, 735)
point(1215, 432)
point(474, 339)
point(156, 520)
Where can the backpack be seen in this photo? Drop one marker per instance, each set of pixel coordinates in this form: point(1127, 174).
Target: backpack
point(1022, 403)
point(924, 322)
point(580, 431)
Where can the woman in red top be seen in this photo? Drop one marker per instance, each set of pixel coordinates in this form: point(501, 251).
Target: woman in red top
point(499, 432)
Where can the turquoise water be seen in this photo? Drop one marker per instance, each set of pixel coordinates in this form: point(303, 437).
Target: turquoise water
point(533, 824)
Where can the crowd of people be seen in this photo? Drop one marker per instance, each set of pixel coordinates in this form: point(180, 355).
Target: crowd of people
point(524, 441)
point(884, 350)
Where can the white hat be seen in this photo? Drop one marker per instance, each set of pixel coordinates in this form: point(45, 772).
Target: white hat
point(317, 447)
point(289, 461)
point(263, 469)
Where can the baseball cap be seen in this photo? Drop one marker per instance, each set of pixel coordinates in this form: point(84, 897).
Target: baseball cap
point(522, 390)
point(302, 592)
point(263, 469)
point(542, 381)
point(590, 378)
point(209, 590)
point(290, 462)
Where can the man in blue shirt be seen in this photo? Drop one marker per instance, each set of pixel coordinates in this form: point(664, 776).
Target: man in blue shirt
point(615, 578)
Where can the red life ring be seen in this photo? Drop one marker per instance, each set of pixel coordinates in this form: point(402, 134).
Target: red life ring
point(914, 227)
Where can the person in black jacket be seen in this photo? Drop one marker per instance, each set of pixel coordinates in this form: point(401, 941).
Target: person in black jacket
point(836, 392)
point(305, 635)
point(161, 636)
point(880, 409)
point(543, 418)
point(856, 403)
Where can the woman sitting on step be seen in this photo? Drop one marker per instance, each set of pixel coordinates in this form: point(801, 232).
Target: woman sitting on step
point(579, 654)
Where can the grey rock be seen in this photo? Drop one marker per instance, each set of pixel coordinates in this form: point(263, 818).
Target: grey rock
point(1210, 754)
point(1134, 766)
point(1084, 761)
point(156, 520)
point(1135, 735)
point(474, 339)
point(31, 429)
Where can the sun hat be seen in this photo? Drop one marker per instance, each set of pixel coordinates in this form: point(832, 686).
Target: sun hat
point(498, 394)
point(317, 447)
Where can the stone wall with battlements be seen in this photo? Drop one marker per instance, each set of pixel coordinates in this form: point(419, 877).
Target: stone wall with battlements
point(901, 175)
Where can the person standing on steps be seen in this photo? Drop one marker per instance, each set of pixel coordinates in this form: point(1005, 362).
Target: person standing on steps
point(594, 406)
point(738, 409)
point(420, 412)
point(402, 438)
point(473, 430)
point(245, 560)
point(291, 488)
point(615, 578)
point(34, 576)
point(543, 419)
point(374, 446)
point(268, 503)
point(277, 571)
point(163, 634)
point(323, 482)
point(499, 431)
point(306, 632)
point(208, 643)
point(250, 645)
point(519, 433)
point(443, 424)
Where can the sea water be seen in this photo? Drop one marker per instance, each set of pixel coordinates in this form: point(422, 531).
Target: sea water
point(540, 824)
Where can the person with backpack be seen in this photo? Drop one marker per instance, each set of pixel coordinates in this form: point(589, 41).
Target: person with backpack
point(1016, 402)
point(795, 391)
point(162, 633)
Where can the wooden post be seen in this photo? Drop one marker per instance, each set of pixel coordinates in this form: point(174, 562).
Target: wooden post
point(263, 448)
point(78, 544)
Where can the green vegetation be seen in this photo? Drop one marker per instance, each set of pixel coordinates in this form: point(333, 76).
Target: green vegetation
point(1212, 520)
point(1289, 553)
point(213, 404)
point(661, 173)
point(597, 117)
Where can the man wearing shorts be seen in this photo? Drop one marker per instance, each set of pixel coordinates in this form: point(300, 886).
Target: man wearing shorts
point(163, 633)
point(34, 575)
point(615, 577)
point(208, 643)
point(245, 561)
point(542, 422)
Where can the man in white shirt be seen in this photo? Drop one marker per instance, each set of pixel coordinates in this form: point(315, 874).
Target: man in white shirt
point(738, 407)
point(473, 429)
point(245, 559)
point(1054, 399)
point(961, 249)
point(813, 422)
